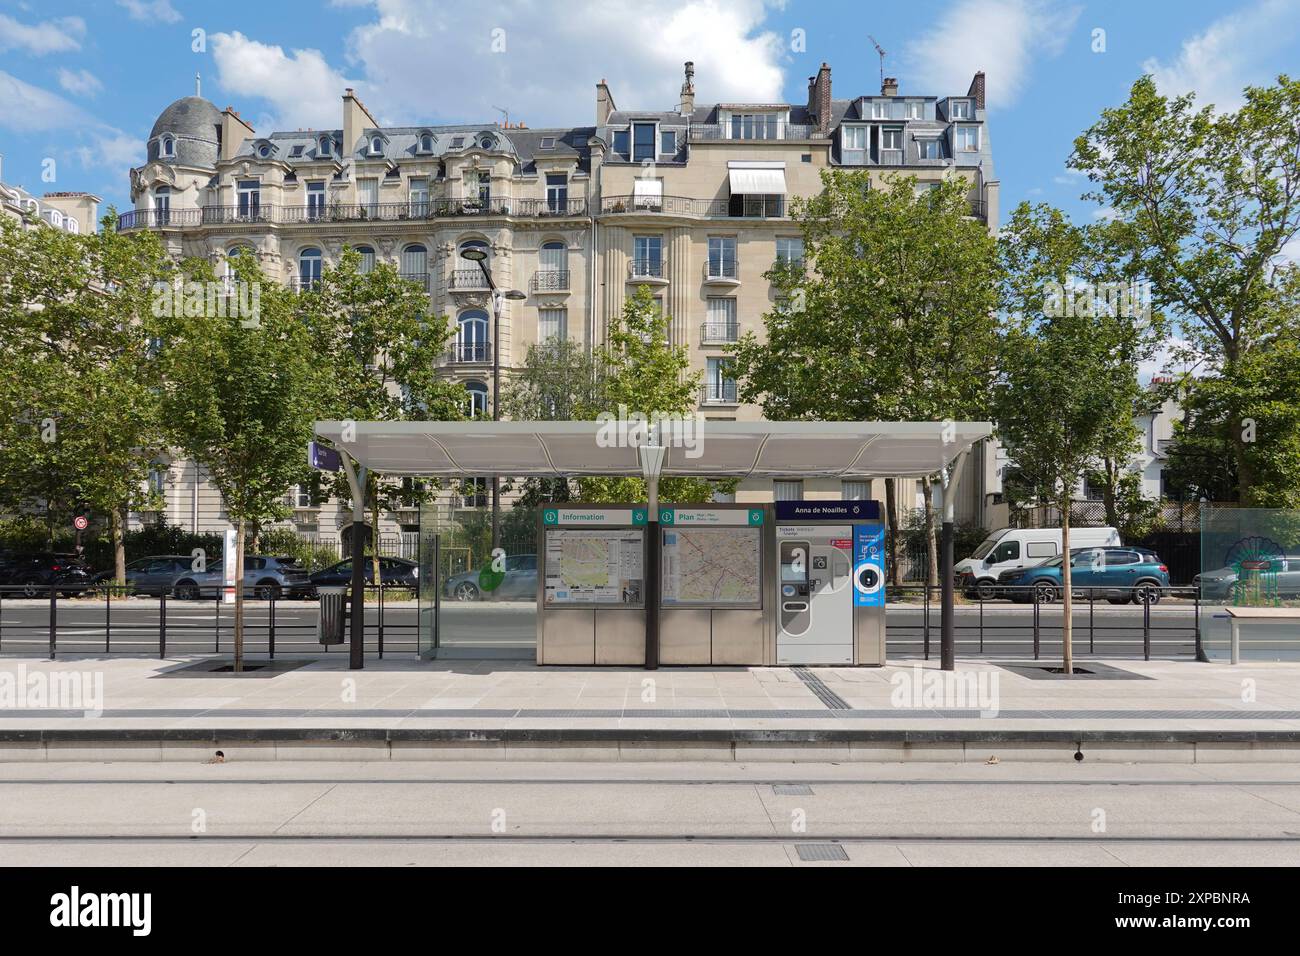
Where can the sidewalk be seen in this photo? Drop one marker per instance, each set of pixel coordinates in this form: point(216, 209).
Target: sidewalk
point(1175, 706)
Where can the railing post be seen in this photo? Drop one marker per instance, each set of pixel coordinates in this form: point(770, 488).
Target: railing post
point(217, 624)
point(1197, 624)
point(925, 626)
point(981, 605)
point(381, 616)
point(162, 625)
point(54, 618)
point(1146, 630)
point(1092, 604)
point(108, 610)
point(270, 637)
point(1036, 635)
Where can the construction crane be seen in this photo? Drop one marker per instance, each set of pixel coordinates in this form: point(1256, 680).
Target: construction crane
point(881, 51)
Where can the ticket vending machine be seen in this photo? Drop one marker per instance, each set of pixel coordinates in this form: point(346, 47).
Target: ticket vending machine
point(830, 601)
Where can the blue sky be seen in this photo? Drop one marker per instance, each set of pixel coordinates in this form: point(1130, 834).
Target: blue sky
point(81, 83)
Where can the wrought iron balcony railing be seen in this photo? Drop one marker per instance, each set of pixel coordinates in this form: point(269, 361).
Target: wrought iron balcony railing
point(551, 280)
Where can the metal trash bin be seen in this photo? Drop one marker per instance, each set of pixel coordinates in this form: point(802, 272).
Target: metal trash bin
point(333, 614)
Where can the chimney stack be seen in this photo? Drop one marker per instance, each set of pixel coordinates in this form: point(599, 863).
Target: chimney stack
point(604, 103)
point(889, 86)
point(976, 90)
point(820, 99)
point(688, 91)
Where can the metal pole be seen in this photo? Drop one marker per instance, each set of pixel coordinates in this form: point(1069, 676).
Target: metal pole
point(651, 575)
point(1146, 630)
point(496, 396)
point(270, 637)
point(357, 592)
point(947, 639)
point(54, 618)
point(162, 626)
point(381, 614)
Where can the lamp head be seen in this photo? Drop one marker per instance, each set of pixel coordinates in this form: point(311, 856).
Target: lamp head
point(473, 255)
point(516, 295)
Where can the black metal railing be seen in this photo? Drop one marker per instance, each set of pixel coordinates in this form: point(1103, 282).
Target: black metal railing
point(645, 268)
point(752, 132)
point(108, 619)
point(718, 393)
point(462, 352)
point(720, 332)
point(550, 280)
point(1033, 624)
point(469, 279)
point(419, 278)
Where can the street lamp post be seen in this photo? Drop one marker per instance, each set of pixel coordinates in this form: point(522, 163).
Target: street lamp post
point(475, 254)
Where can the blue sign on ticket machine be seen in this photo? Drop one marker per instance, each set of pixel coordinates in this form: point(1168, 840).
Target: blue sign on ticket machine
point(830, 605)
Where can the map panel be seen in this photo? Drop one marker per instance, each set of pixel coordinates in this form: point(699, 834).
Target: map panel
point(712, 566)
point(593, 566)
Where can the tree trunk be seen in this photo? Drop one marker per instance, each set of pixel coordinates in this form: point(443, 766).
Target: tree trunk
point(239, 597)
point(931, 543)
point(891, 517)
point(116, 524)
point(1067, 600)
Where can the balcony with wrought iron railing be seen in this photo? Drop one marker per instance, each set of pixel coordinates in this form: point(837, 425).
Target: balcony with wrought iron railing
point(753, 132)
point(550, 280)
point(301, 283)
point(720, 392)
point(419, 278)
point(734, 207)
point(646, 270)
point(721, 271)
point(258, 213)
point(469, 280)
point(469, 353)
point(719, 333)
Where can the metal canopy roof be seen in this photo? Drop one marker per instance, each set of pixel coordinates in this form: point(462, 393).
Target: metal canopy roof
point(721, 449)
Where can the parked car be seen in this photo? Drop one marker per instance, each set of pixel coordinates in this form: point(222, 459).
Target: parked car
point(35, 571)
point(1281, 576)
point(1120, 574)
point(155, 574)
point(265, 578)
point(519, 584)
point(1013, 549)
point(398, 571)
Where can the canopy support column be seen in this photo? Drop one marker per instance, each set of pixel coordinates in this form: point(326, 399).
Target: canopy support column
point(947, 487)
point(357, 625)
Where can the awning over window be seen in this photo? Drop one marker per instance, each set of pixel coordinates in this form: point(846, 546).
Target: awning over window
point(756, 179)
point(648, 192)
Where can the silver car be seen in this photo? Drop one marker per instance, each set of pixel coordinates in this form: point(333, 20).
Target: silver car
point(265, 579)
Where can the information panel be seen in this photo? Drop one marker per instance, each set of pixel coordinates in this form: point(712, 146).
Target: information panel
point(594, 566)
point(712, 567)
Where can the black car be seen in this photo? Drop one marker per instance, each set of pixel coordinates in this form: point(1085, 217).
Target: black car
point(397, 571)
point(34, 571)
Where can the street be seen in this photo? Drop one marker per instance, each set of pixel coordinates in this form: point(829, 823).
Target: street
point(680, 814)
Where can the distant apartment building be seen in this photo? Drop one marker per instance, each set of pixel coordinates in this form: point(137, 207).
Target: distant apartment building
point(70, 211)
point(692, 201)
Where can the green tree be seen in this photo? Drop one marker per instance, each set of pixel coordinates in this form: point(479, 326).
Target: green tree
point(80, 395)
point(374, 336)
point(241, 402)
point(895, 318)
point(1205, 203)
point(640, 372)
point(1068, 382)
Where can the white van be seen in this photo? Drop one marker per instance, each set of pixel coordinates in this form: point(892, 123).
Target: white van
point(1014, 548)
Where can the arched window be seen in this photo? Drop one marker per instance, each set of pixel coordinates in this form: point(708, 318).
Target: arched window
point(472, 342)
point(309, 268)
point(554, 256)
point(367, 258)
point(415, 263)
point(426, 143)
point(72, 224)
point(325, 149)
point(376, 145)
point(168, 146)
point(476, 399)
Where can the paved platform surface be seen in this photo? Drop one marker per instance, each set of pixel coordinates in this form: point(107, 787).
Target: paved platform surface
point(679, 814)
point(1122, 695)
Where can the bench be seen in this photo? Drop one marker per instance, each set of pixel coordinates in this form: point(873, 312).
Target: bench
point(1238, 614)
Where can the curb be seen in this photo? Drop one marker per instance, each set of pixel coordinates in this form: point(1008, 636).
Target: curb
point(838, 745)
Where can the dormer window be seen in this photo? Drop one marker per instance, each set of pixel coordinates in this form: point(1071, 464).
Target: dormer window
point(548, 142)
point(457, 142)
point(487, 142)
point(72, 224)
point(426, 142)
point(915, 109)
point(326, 146)
point(376, 146)
point(264, 151)
point(960, 110)
point(879, 109)
point(168, 146)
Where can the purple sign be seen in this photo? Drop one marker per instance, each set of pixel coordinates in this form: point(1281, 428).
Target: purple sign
point(323, 458)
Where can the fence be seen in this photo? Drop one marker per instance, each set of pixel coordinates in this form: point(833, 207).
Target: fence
point(1019, 631)
point(101, 622)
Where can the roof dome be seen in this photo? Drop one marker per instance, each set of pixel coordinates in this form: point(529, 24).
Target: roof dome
point(194, 122)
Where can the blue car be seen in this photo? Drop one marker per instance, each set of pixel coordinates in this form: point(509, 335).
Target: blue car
point(1120, 575)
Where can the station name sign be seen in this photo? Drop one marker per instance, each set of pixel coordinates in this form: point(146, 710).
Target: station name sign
point(828, 511)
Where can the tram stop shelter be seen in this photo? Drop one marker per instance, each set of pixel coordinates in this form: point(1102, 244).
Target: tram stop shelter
point(721, 449)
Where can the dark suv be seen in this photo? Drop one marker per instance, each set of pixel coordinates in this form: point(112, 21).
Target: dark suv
point(35, 571)
point(1119, 574)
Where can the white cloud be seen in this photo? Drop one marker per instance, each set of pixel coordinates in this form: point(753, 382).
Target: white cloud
point(1105, 213)
point(1229, 55)
point(150, 11)
point(1002, 37)
point(49, 36)
point(27, 109)
point(302, 88)
point(112, 150)
point(521, 55)
point(80, 83)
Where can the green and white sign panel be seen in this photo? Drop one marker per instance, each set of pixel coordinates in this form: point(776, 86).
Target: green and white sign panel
point(560, 516)
point(712, 517)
